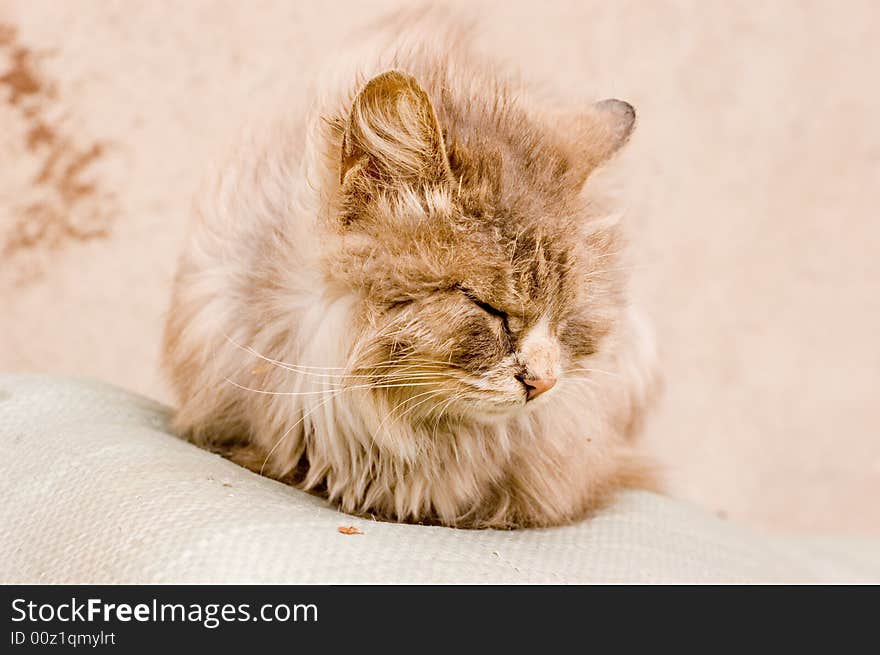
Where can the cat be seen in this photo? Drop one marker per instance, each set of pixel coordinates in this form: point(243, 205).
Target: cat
point(409, 299)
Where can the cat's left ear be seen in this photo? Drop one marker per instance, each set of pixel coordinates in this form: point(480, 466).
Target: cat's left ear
point(598, 133)
point(392, 135)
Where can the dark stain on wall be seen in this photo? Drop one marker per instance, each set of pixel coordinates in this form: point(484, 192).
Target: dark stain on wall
point(65, 202)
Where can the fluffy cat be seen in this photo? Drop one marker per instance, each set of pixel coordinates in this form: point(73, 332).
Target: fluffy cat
point(407, 298)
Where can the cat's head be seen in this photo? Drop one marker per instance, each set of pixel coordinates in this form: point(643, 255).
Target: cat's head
point(485, 274)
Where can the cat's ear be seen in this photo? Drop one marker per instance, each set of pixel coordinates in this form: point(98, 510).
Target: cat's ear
point(598, 133)
point(392, 135)
point(619, 120)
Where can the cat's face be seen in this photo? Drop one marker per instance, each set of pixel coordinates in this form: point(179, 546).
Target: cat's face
point(484, 284)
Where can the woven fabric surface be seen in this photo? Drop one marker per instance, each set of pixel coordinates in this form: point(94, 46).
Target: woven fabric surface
point(96, 490)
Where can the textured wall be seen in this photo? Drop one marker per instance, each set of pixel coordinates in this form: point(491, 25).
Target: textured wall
point(753, 187)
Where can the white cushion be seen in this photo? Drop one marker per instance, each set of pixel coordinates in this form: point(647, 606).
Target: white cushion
point(95, 489)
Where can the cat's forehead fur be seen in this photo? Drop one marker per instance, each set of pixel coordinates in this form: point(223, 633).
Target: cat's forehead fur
point(520, 265)
point(504, 216)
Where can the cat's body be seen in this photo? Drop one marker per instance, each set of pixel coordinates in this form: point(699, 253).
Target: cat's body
point(375, 294)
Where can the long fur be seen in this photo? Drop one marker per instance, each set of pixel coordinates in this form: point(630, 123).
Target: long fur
point(366, 283)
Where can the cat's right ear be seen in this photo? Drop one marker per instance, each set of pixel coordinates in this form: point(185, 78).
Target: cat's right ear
point(596, 134)
point(392, 136)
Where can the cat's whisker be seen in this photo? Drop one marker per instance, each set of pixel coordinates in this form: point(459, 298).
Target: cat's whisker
point(620, 269)
point(431, 395)
point(402, 403)
point(607, 255)
point(292, 427)
point(588, 381)
point(404, 363)
point(344, 376)
point(324, 391)
point(397, 367)
point(399, 372)
point(383, 379)
point(327, 400)
point(576, 394)
point(592, 370)
point(573, 392)
point(376, 380)
point(253, 352)
point(453, 398)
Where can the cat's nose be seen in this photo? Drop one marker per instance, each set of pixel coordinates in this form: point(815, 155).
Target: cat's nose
point(536, 386)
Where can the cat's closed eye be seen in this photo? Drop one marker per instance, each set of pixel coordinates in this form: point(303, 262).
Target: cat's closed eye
point(486, 307)
point(512, 324)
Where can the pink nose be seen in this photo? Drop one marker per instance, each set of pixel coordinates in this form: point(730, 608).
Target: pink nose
point(536, 386)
